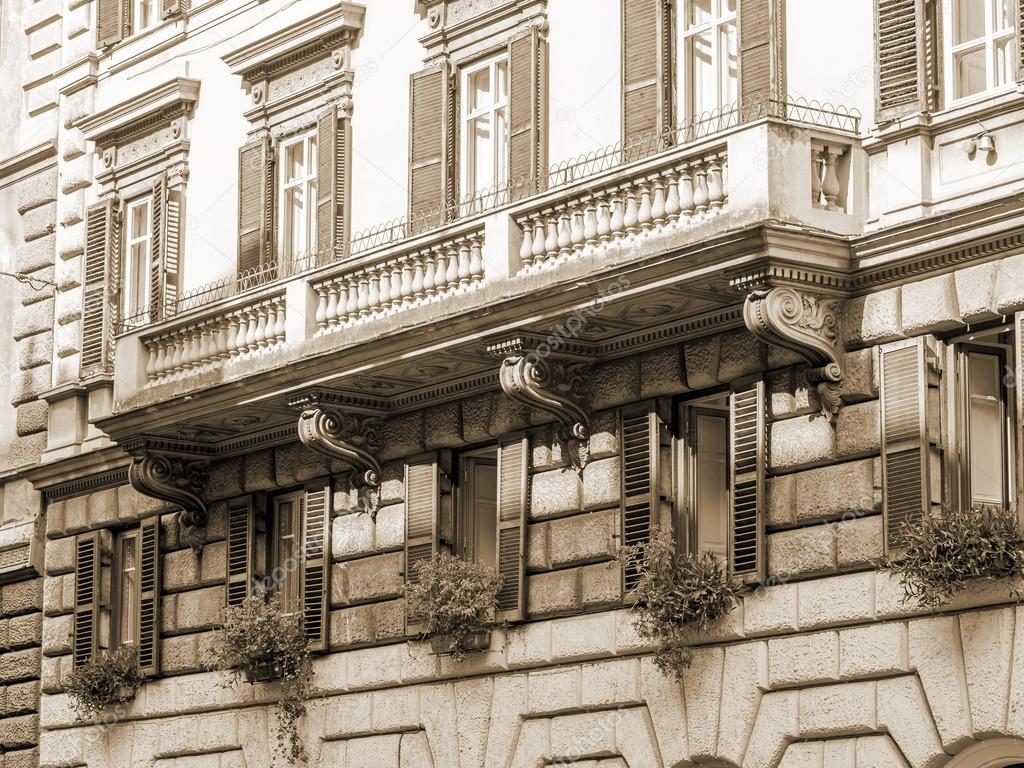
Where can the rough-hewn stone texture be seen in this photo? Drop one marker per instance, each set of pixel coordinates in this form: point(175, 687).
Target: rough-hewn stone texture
point(662, 372)
point(873, 318)
point(701, 357)
point(555, 493)
point(615, 383)
point(800, 442)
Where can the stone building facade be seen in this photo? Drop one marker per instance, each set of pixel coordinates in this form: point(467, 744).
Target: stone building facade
point(784, 329)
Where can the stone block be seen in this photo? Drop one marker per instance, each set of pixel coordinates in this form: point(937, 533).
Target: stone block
point(583, 538)
point(872, 319)
point(860, 379)
point(351, 535)
point(37, 190)
point(35, 350)
point(35, 254)
point(662, 372)
point(19, 732)
point(21, 597)
point(100, 508)
point(878, 649)
point(789, 393)
point(39, 222)
point(988, 638)
point(838, 710)
point(352, 626)
point(935, 652)
point(555, 493)
point(741, 354)
point(217, 522)
point(879, 752)
point(803, 659)
point(27, 294)
point(295, 463)
point(17, 666)
point(31, 417)
point(390, 528)
point(68, 276)
point(602, 483)
point(55, 670)
point(837, 600)
point(771, 609)
point(601, 584)
point(60, 556)
point(701, 358)
point(802, 552)
point(372, 578)
point(477, 416)
point(199, 609)
point(781, 507)
point(858, 430)
point(402, 436)
point(800, 442)
point(258, 471)
point(392, 485)
point(583, 637)
point(547, 452)
point(443, 426)
point(29, 321)
point(904, 713)
point(225, 480)
point(930, 305)
point(1009, 288)
point(538, 557)
point(59, 594)
point(133, 505)
point(608, 683)
point(25, 631)
point(615, 383)
point(859, 542)
point(835, 491)
point(976, 292)
point(28, 385)
point(552, 593)
point(23, 451)
point(179, 655)
point(552, 690)
point(180, 570)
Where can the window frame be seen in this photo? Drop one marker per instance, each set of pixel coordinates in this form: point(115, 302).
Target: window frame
point(120, 593)
point(684, 36)
point(463, 523)
point(309, 182)
point(685, 462)
point(951, 49)
point(467, 156)
point(274, 562)
point(132, 306)
point(135, 10)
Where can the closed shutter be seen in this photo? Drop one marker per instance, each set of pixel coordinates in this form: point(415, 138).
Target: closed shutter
point(110, 21)
point(422, 501)
point(255, 181)
point(431, 142)
point(149, 596)
point(527, 146)
point(640, 454)
point(87, 602)
point(332, 187)
point(906, 51)
point(907, 384)
point(316, 565)
point(647, 83)
point(762, 26)
point(749, 447)
point(102, 246)
point(241, 538)
point(172, 8)
point(513, 489)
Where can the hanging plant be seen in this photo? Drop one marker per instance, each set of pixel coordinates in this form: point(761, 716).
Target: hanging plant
point(677, 597)
point(110, 678)
point(259, 643)
point(458, 601)
point(947, 551)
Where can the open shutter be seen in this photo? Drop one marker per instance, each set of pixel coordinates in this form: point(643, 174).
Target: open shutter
point(749, 447)
point(762, 25)
point(431, 147)
point(422, 501)
point(333, 136)
point(906, 52)
point(158, 241)
point(909, 462)
point(171, 8)
point(255, 179)
point(241, 536)
point(527, 164)
point(316, 565)
point(647, 83)
point(513, 490)
point(87, 601)
point(639, 481)
point(102, 243)
point(1018, 442)
point(110, 21)
point(149, 596)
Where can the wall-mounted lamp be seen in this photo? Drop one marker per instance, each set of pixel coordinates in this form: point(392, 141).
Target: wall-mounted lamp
point(983, 142)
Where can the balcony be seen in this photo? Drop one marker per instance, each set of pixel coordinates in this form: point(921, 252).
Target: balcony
point(643, 238)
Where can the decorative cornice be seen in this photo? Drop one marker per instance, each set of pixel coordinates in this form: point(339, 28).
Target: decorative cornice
point(806, 323)
point(170, 99)
point(18, 166)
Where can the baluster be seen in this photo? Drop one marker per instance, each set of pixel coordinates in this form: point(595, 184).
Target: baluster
point(373, 293)
point(830, 182)
point(590, 216)
point(362, 296)
point(685, 190)
point(526, 248)
point(177, 354)
point(551, 240)
point(538, 240)
point(429, 284)
point(604, 220)
point(385, 288)
point(407, 297)
point(464, 263)
point(350, 310)
point(452, 277)
point(476, 260)
point(261, 326)
point(564, 239)
point(417, 280)
point(331, 311)
point(576, 229)
point(236, 333)
point(441, 280)
point(152, 352)
point(672, 197)
point(323, 298)
point(271, 312)
point(630, 218)
point(700, 188)
point(725, 179)
point(250, 329)
point(716, 195)
point(658, 212)
point(279, 326)
point(222, 339)
point(188, 349)
point(396, 284)
point(618, 216)
point(644, 216)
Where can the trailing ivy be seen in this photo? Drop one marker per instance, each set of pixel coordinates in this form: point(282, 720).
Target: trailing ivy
point(109, 678)
point(948, 550)
point(677, 597)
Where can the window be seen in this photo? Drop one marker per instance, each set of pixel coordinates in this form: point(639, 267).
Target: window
point(145, 14)
point(286, 555)
point(704, 475)
point(485, 142)
point(298, 196)
point(709, 51)
point(476, 521)
point(980, 47)
point(126, 581)
point(984, 420)
point(139, 233)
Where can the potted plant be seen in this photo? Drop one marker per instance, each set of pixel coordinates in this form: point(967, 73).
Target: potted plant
point(677, 596)
point(946, 551)
point(109, 678)
point(458, 601)
point(259, 644)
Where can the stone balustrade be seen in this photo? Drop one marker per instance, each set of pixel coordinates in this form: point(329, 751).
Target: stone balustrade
point(236, 332)
point(394, 283)
point(828, 165)
point(681, 193)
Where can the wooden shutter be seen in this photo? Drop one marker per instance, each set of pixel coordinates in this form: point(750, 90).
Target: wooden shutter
point(527, 145)
point(87, 597)
point(749, 447)
point(333, 136)
point(316, 566)
point(1020, 43)
point(110, 22)
point(171, 8)
point(906, 53)
point(422, 502)
point(1017, 444)
point(639, 431)
point(149, 596)
point(513, 492)
point(255, 183)
point(647, 82)
point(102, 246)
point(908, 383)
point(241, 538)
point(762, 25)
point(431, 147)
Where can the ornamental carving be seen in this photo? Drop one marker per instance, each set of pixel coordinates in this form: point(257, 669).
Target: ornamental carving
point(349, 437)
point(806, 323)
point(176, 479)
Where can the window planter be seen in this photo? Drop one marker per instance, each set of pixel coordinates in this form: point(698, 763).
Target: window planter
point(449, 645)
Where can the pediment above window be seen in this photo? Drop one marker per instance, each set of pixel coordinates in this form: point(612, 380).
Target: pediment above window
point(467, 28)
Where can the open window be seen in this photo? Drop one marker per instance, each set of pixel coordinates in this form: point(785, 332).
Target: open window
point(484, 129)
point(703, 475)
point(476, 497)
point(298, 164)
point(708, 60)
point(138, 252)
point(980, 46)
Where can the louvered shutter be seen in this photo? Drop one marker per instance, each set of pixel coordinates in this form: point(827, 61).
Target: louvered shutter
point(527, 144)
point(102, 246)
point(241, 537)
point(762, 25)
point(906, 53)
point(640, 455)
point(316, 565)
point(422, 501)
point(171, 8)
point(1019, 391)
point(255, 182)
point(749, 447)
point(163, 265)
point(431, 142)
point(647, 83)
point(908, 458)
point(87, 602)
point(513, 490)
point(110, 21)
point(332, 183)
point(149, 596)
point(1020, 42)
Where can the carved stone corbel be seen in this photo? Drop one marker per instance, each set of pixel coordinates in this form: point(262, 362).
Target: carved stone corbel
point(806, 323)
point(350, 437)
point(177, 479)
point(552, 383)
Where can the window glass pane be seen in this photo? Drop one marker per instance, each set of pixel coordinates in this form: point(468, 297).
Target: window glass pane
point(711, 497)
point(501, 146)
point(480, 88)
point(968, 20)
point(727, 7)
point(1003, 52)
point(140, 278)
point(1004, 15)
point(295, 161)
point(970, 72)
point(140, 220)
point(985, 433)
point(129, 590)
point(702, 73)
point(699, 12)
point(501, 86)
point(295, 219)
point(485, 503)
point(482, 152)
point(728, 50)
point(286, 548)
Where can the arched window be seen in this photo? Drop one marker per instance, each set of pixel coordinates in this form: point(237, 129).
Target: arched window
point(993, 753)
